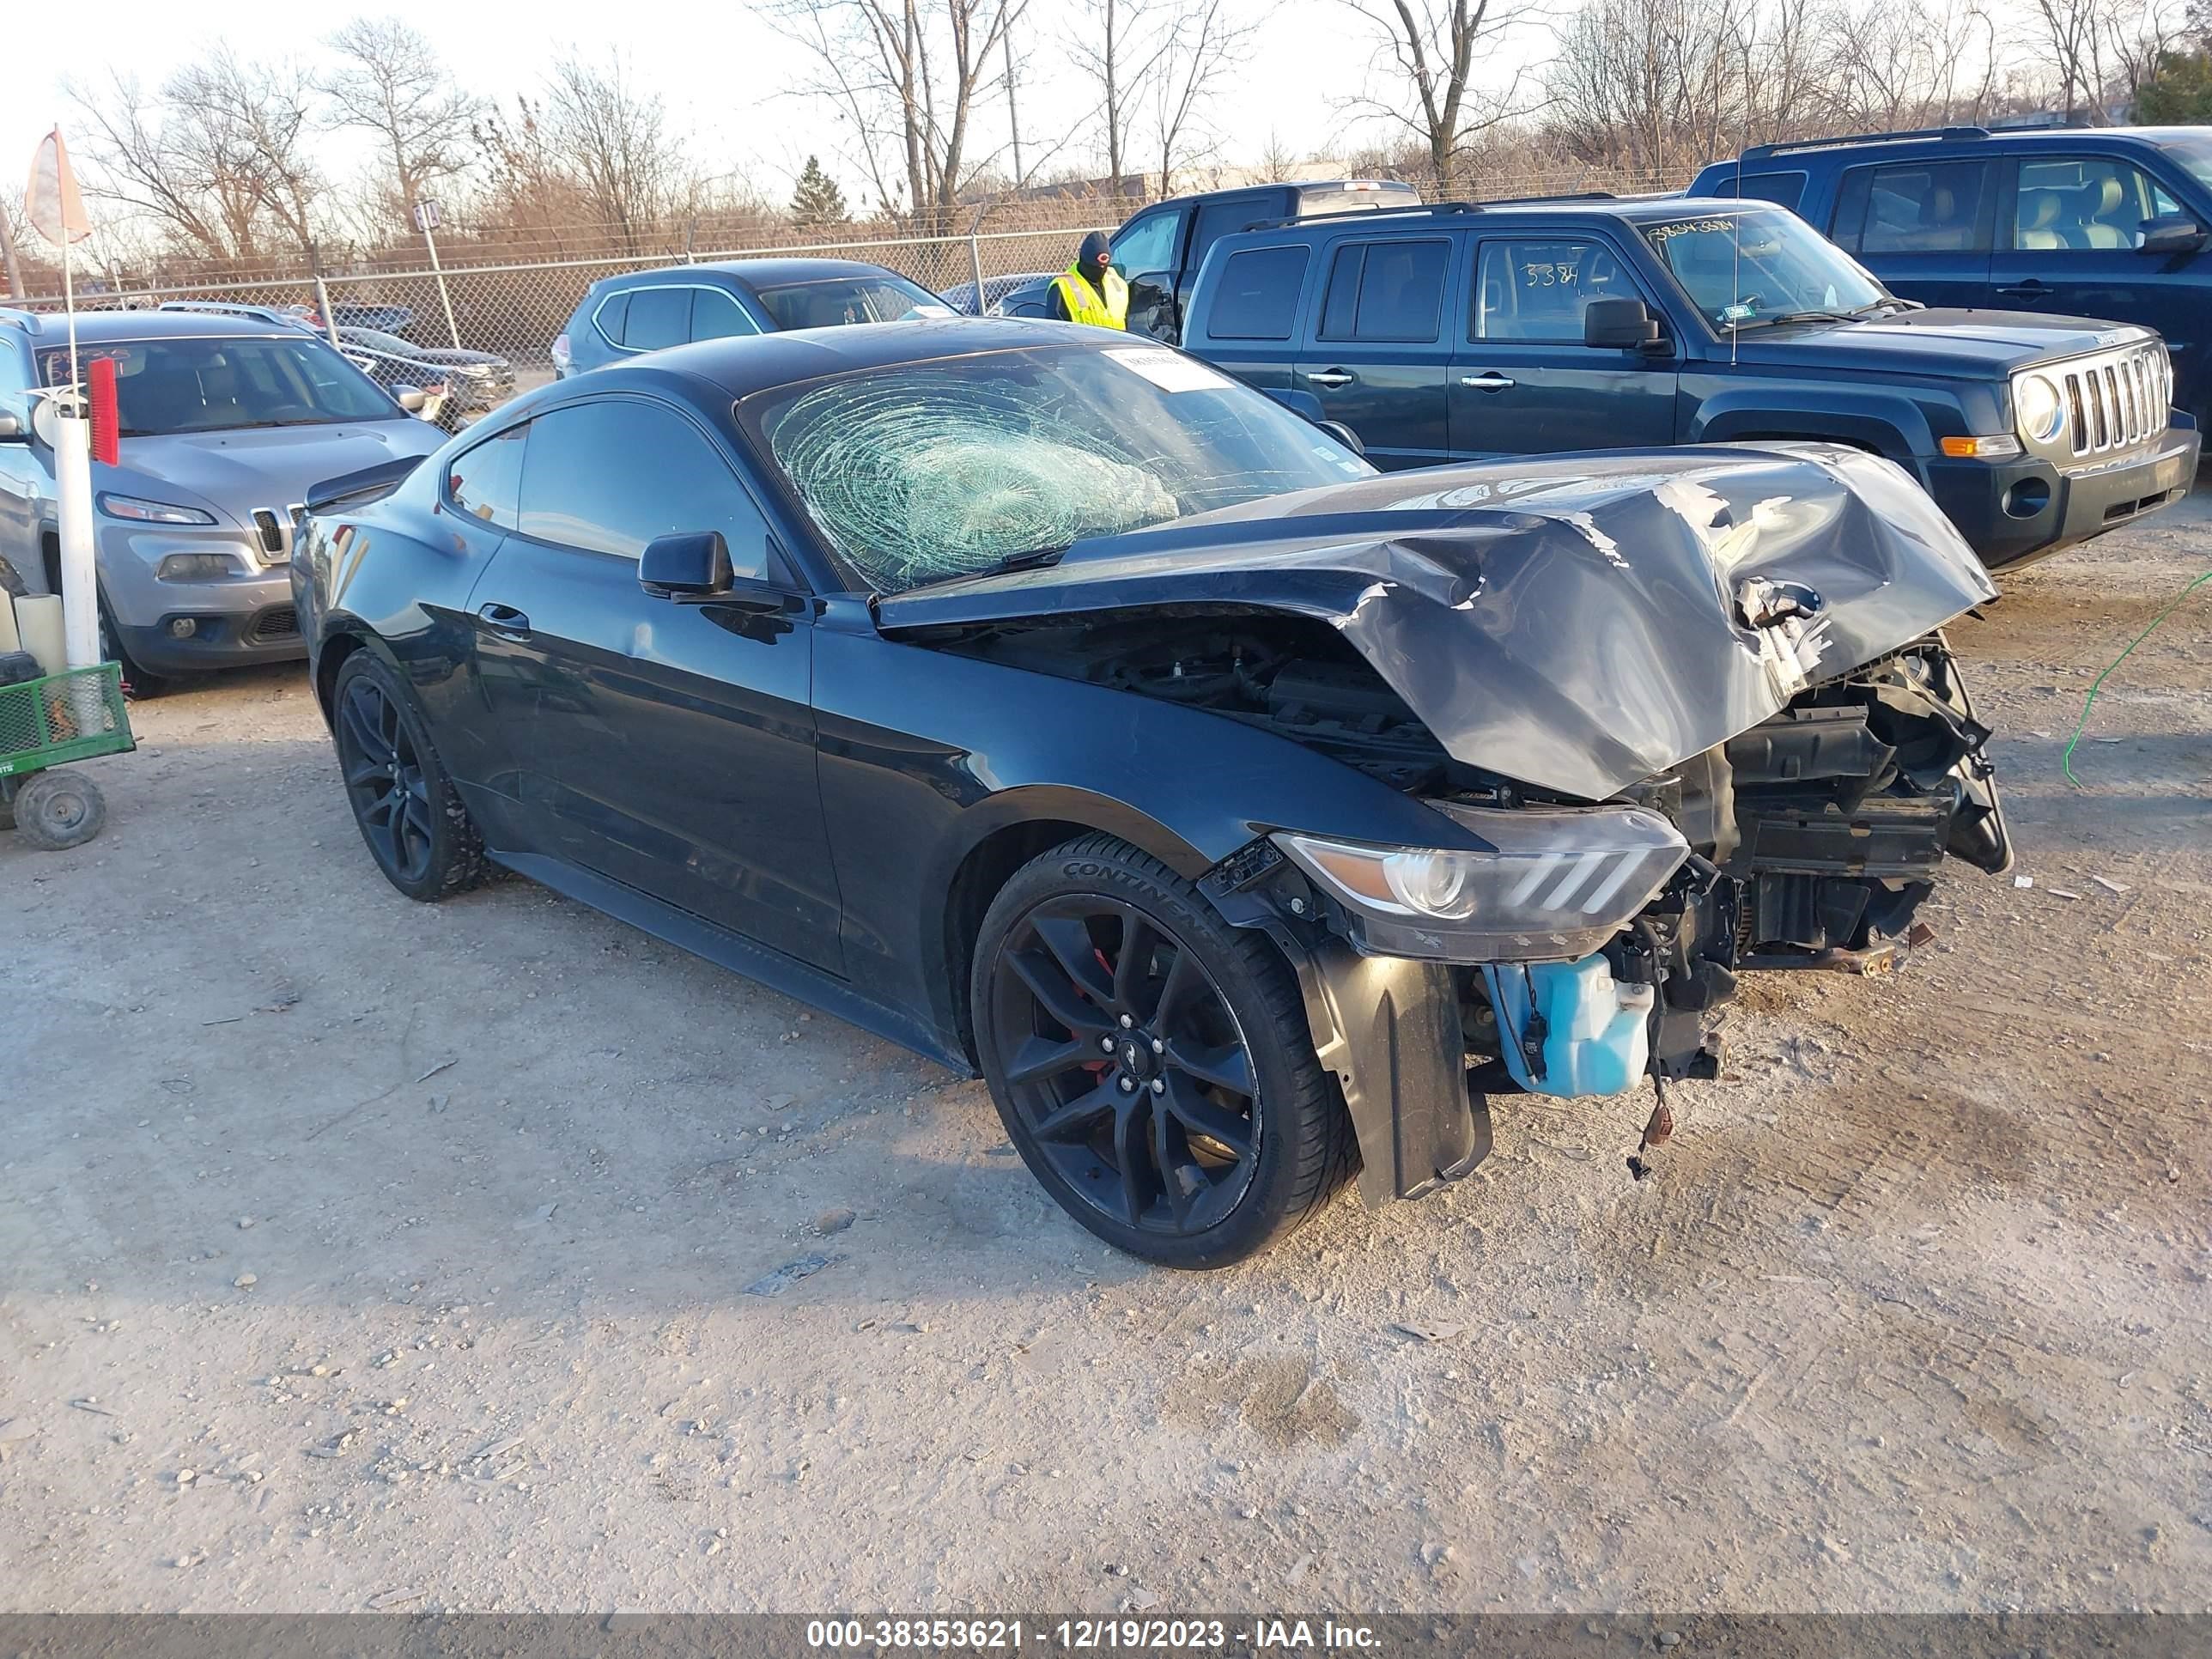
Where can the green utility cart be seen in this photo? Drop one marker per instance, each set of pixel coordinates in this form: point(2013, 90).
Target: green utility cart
point(44, 723)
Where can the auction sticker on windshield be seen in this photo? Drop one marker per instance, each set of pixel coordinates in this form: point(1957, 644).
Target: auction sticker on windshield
point(1170, 371)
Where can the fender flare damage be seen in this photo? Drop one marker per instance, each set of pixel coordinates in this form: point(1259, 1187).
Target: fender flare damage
point(1388, 1029)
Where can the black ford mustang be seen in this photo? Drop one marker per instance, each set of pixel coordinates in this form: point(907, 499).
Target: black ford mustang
point(1054, 705)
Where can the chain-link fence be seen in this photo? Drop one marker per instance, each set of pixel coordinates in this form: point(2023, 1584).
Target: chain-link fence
point(515, 310)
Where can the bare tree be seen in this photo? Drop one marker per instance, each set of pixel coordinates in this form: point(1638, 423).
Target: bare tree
point(908, 75)
point(217, 164)
point(1117, 50)
point(1201, 51)
point(1904, 64)
point(1432, 50)
point(390, 82)
point(614, 143)
point(1653, 85)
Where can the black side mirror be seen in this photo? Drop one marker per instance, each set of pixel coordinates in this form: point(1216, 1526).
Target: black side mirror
point(1344, 434)
point(1620, 325)
point(692, 566)
point(2171, 233)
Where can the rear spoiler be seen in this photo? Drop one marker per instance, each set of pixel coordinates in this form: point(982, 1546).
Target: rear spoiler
point(371, 483)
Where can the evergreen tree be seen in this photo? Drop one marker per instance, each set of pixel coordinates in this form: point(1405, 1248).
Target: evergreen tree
point(817, 201)
point(2179, 94)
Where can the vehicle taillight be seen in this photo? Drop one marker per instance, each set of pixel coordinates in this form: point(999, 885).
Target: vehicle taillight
point(560, 351)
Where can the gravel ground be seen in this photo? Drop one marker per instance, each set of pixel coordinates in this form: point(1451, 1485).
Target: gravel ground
point(361, 1255)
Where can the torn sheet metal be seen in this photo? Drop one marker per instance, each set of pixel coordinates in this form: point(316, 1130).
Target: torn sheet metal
point(1576, 624)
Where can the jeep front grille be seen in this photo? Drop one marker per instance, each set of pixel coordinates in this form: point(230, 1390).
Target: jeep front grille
point(272, 531)
point(2115, 400)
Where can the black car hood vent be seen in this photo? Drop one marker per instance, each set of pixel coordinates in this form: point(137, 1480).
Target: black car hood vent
point(1579, 623)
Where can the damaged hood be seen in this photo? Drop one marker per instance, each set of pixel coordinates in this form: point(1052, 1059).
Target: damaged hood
point(1576, 623)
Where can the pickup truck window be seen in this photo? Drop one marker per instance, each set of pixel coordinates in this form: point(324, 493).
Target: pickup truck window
point(1761, 265)
point(2084, 202)
point(1218, 219)
point(1920, 207)
point(1531, 291)
point(1257, 297)
point(1391, 290)
point(1147, 246)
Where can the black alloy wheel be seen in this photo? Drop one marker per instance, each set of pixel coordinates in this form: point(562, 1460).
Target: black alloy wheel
point(383, 776)
point(1150, 1063)
point(407, 812)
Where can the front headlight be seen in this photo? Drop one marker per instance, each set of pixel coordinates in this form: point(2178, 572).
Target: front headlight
point(2038, 408)
point(1551, 883)
point(129, 507)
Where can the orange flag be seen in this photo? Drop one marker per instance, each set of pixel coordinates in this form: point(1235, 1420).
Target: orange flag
point(51, 203)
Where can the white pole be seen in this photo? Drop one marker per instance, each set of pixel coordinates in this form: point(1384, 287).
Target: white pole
point(73, 487)
point(444, 298)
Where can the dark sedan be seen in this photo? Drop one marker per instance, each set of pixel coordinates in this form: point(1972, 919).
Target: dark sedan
point(1059, 709)
point(478, 380)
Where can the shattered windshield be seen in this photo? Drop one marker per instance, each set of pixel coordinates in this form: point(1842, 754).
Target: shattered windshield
point(918, 472)
point(1743, 269)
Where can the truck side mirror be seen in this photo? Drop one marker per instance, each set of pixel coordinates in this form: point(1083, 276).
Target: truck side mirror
point(1620, 325)
point(2171, 233)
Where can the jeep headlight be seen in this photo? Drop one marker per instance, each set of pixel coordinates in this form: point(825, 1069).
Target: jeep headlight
point(1548, 883)
point(2039, 409)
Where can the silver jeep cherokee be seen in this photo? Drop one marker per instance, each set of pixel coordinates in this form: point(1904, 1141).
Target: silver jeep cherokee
point(226, 422)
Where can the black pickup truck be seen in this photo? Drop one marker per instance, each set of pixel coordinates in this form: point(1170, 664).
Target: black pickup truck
point(1475, 330)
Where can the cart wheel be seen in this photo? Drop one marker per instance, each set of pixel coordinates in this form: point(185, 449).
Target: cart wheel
point(57, 809)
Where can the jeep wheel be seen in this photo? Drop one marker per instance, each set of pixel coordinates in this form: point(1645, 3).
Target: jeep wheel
point(1153, 1064)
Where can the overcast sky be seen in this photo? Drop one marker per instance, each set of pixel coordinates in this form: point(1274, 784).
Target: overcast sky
point(719, 71)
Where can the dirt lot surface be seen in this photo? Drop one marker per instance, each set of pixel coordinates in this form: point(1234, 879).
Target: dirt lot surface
point(361, 1255)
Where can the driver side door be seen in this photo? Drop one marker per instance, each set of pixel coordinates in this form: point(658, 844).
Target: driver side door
point(673, 743)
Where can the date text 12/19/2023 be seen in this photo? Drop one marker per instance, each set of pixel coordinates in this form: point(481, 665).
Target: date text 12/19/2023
point(1085, 1635)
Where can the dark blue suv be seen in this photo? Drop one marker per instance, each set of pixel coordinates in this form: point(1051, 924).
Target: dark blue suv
point(1475, 330)
point(2097, 222)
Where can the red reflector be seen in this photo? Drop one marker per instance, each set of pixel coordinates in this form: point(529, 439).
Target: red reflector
point(107, 431)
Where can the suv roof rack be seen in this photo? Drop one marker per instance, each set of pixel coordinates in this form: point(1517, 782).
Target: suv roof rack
point(1760, 152)
point(1414, 208)
point(29, 321)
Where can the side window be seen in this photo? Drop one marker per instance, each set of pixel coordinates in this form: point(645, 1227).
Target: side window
point(484, 482)
point(657, 317)
point(1782, 189)
point(2084, 202)
point(1257, 297)
point(1385, 291)
point(610, 315)
point(610, 476)
point(1147, 247)
point(1218, 219)
point(1536, 290)
point(715, 316)
point(14, 383)
point(1922, 207)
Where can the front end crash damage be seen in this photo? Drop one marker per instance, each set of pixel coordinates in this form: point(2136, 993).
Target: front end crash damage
point(1680, 716)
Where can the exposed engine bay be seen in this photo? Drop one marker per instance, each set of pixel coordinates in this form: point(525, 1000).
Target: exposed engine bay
point(1815, 835)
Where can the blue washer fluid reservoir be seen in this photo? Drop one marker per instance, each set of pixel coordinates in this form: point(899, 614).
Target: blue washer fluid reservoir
point(1598, 1033)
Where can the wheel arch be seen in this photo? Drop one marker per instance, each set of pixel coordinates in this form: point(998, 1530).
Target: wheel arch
point(1005, 834)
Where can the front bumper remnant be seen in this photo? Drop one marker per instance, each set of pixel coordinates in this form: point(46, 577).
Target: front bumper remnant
point(1388, 1028)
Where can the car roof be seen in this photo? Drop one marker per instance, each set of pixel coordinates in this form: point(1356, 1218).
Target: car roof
point(1474, 215)
point(94, 327)
point(1960, 140)
point(754, 273)
point(738, 365)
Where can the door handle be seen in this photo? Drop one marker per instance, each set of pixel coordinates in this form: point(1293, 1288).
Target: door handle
point(505, 621)
point(1329, 377)
point(1488, 381)
point(2027, 290)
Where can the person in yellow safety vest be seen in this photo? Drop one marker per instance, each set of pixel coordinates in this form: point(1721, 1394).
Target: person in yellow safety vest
point(1091, 290)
